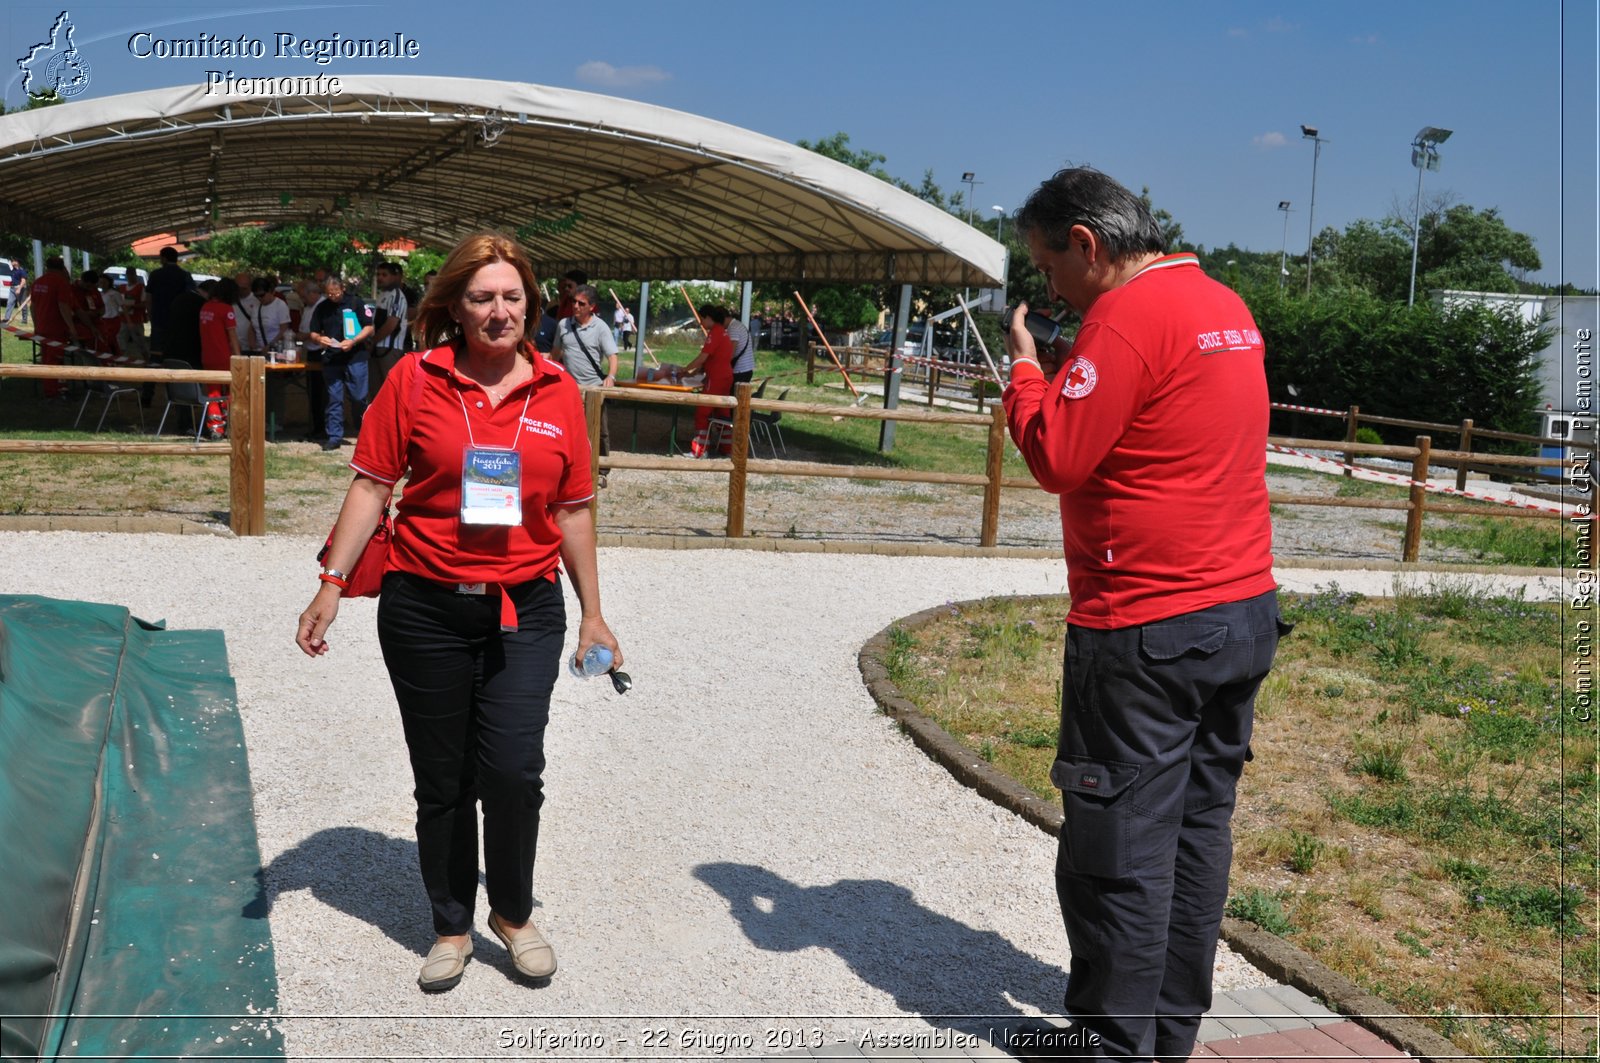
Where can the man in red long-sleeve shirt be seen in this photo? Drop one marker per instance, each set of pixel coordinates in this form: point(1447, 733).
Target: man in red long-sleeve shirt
point(1153, 432)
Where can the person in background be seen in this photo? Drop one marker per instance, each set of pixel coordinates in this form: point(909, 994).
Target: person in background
point(245, 311)
point(164, 285)
point(584, 345)
point(270, 323)
point(219, 345)
point(544, 339)
point(90, 308)
point(716, 358)
point(112, 303)
point(390, 334)
point(341, 325)
point(55, 320)
point(471, 618)
point(162, 288)
point(17, 294)
point(1174, 619)
point(744, 349)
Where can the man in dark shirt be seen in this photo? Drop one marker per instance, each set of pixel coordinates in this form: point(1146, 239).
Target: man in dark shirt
point(164, 285)
point(342, 324)
point(183, 337)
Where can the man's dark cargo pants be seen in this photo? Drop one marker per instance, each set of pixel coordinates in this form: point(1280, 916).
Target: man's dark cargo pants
point(1155, 730)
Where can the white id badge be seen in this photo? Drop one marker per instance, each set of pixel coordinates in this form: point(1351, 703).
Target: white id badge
point(491, 486)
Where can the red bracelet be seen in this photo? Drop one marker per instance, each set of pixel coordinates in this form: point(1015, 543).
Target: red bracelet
point(342, 584)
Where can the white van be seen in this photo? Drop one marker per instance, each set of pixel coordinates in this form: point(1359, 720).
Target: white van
point(120, 275)
point(5, 279)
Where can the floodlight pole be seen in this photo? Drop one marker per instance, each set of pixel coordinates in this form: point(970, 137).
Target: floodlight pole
point(1309, 132)
point(970, 180)
point(1283, 259)
point(1424, 156)
point(1000, 216)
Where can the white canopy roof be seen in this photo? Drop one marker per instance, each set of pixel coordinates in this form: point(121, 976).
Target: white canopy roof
point(621, 189)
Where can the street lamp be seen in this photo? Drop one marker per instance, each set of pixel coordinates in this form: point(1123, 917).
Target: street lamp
point(1283, 259)
point(1309, 132)
point(1424, 156)
point(1000, 212)
point(969, 179)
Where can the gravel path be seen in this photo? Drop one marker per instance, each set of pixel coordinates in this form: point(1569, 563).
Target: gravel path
point(741, 835)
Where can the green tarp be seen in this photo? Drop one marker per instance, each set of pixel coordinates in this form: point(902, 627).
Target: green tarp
point(132, 921)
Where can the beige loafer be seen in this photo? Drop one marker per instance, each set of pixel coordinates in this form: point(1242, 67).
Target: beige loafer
point(530, 952)
point(442, 969)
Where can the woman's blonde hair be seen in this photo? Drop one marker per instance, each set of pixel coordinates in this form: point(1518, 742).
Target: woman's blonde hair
point(434, 322)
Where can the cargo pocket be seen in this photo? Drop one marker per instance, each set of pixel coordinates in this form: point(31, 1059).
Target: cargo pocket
point(1096, 809)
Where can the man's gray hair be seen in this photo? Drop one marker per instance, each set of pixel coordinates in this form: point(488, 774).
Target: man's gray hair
point(1084, 196)
point(589, 292)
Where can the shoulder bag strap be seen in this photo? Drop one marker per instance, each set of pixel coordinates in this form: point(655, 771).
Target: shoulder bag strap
point(572, 330)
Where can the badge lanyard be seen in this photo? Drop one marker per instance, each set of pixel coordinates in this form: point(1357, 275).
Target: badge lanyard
point(491, 477)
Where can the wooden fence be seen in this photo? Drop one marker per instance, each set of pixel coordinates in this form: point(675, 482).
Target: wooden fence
point(245, 449)
point(1466, 434)
point(739, 466)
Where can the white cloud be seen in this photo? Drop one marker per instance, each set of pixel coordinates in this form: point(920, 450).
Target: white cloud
point(1238, 31)
point(1279, 25)
point(599, 72)
point(1270, 140)
point(1366, 38)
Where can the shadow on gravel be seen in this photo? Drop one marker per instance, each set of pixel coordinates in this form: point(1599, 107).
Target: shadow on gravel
point(364, 874)
point(931, 964)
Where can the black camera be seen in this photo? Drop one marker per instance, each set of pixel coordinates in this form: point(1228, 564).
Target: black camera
point(1042, 327)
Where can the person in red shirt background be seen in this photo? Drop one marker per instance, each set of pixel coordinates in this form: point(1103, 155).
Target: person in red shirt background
point(219, 345)
point(55, 319)
point(471, 618)
point(1174, 619)
point(716, 357)
point(90, 308)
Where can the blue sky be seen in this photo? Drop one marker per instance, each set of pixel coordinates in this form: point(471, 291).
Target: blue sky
point(1202, 103)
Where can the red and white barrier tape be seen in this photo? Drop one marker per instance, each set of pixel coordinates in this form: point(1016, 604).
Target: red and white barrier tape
point(104, 356)
point(1409, 482)
point(1309, 409)
point(950, 368)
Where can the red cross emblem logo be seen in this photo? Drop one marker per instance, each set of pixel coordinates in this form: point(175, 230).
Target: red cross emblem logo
point(1079, 378)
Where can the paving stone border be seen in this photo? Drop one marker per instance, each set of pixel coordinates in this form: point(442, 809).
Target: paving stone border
point(1271, 954)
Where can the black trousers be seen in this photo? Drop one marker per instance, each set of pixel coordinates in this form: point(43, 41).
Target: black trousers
point(1155, 731)
point(474, 702)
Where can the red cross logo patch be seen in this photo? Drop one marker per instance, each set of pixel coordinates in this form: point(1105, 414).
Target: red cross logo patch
point(1079, 379)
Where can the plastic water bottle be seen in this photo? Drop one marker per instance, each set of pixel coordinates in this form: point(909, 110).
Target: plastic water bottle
point(597, 661)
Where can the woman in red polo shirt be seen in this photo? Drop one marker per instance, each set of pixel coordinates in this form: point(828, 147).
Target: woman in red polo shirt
point(219, 344)
point(471, 618)
point(716, 356)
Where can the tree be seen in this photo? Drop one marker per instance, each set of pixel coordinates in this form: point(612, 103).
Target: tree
point(1458, 247)
point(1348, 347)
point(292, 249)
point(1474, 250)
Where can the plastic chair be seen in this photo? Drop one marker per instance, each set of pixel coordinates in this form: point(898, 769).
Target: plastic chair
point(188, 393)
point(724, 423)
point(108, 388)
point(766, 422)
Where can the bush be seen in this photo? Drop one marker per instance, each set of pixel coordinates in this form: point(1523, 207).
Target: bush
point(1345, 347)
point(1368, 435)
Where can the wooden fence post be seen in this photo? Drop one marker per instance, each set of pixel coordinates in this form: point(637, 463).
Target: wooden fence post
point(247, 436)
point(811, 363)
point(593, 409)
point(933, 382)
point(1466, 445)
point(741, 454)
point(1419, 492)
point(991, 490)
point(1354, 418)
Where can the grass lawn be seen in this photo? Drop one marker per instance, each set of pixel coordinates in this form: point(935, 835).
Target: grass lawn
point(1420, 814)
